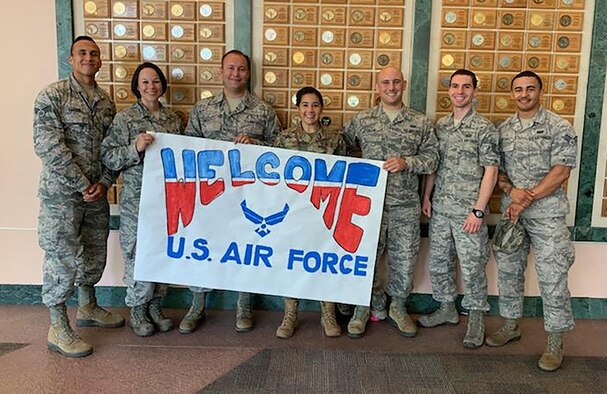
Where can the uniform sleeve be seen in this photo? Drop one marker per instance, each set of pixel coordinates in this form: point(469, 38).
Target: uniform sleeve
point(118, 152)
point(108, 176)
point(340, 146)
point(488, 151)
point(193, 128)
point(272, 127)
point(564, 145)
point(279, 141)
point(426, 159)
point(349, 135)
point(49, 143)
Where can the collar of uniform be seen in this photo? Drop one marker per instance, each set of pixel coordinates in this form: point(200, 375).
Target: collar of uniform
point(404, 112)
point(538, 118)
point(467, 118)
point(219, 99)
point(300, 130)
point(75, 85)
point(144, 113)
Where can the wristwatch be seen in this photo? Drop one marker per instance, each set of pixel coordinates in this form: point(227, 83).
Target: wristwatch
point(479, 213)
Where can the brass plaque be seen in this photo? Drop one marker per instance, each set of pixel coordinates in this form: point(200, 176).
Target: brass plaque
point(333, 100)
point(276, 98)
point(105, 49)
point(211, 33)
point(209, 75)
point(276, 13)
point(182, 31)
point(276, 35)
point(542, 4)
point(303, 58)
point(182, 75)
point(97, 29)
point(538, 20)
point(335, 118)
point(391, 2)
point(304, 36)
point(275, 56)
point(454, 17)
point(453, 39)
point(360, 58)
point(154, 31)
point(357, 100)
point(391, 17)
point(124, 72)
point(387, 58)
point(563, 84)
point(455, 2)
point(210, 53)
point(331, 80)
point(389, 39)
point(360, 38)
point(562, 105)
point(536, 41)
point(570, 42)
point(182, 10)
point(503, 104)
point(484, 19)
point(332, 15)
point(452, 60)
point(182, 53)
point(566, 63)
point(211, 12)
point(362, 16)
point(509, 62)
point(126, 51)
point(154, 52)
point(183, 95)
point(359, 80)
point(538, 62)
point(123, 30)
point(96, 8)
point(305, 15)
point(484, 81)
point(571, 4)
point(301, 78)
point(481, 61)
point(104, 74)
point(332, 37)
point(502, 82)
point(484, 3)
point(443, 80)
point(275, 77)
point(124, 9)
point(511, 19)
point(573, 21)
point(483, 103)
point(512, 41)
point(482, 40)
point(153, 10)
point(333, 58)
point(513, 3)
point(123, 94)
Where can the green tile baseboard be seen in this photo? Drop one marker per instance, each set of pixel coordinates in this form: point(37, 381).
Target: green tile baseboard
point(418, 303)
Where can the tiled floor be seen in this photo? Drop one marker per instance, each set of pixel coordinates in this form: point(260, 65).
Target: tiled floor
point(176, 363)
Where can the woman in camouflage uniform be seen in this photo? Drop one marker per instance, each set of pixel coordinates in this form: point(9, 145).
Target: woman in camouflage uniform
point(123, 150)
point(310, 135)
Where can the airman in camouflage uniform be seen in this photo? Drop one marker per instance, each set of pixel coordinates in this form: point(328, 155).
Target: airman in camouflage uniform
point(538, 150)
point(233, 115)
point(467, 173)
point(311, 136)
point(71, 118)
point(121, 153)
point(405, 139)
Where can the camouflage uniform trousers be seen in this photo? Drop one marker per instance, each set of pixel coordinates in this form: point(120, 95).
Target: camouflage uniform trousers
point(137, 292)
point(73, 235)
point(554, 255)
point(399, 237)
point(448, 240)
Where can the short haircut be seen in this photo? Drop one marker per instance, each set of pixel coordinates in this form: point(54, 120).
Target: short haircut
point(463, 71)
point(81, 38)
point(527, 73)
point(237, 52)
point(135, 79)
point(308, 90)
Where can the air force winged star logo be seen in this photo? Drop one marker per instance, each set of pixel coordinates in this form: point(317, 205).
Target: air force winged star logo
point(271, 220)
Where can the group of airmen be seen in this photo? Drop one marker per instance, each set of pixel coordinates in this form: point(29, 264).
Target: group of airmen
point(84, 145)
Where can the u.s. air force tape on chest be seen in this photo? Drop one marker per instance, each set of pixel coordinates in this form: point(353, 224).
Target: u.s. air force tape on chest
point(259, 219)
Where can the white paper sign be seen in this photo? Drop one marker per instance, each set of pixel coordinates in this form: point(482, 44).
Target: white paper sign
point(259, 219)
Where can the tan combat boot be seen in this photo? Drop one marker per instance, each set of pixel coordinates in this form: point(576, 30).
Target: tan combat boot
point(506, 333)
point(327, 320)
point(289, 321)
point(445, 314)
point(399, 318)
point(160, 321)
point(552, 358)
point(358, 322)
point(62, 339)
point(195, 314)
point(475, 332)
point(90, 314)
point(244, 320)
point(139, 322)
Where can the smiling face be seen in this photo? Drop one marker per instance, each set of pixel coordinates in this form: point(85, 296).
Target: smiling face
point(149, 85)
point(235, 74)
point(310, 109)
point(462, 91)
point(85, 60)
point(526, 93)
point(390, 86)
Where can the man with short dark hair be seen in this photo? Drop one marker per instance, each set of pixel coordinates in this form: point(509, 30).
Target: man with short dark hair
point(463, 184)
point(71, 118)
point(239, 116)
point(538, 150)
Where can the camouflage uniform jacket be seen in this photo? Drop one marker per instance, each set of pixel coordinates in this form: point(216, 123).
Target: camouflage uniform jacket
point(324, 141)
point(212, 118)
point(118, 149)
point(527, 155)
point(465, 150)
point(409, 136)
point(68, 130)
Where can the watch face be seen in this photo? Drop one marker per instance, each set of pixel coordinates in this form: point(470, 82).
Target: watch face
point(478, 213)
